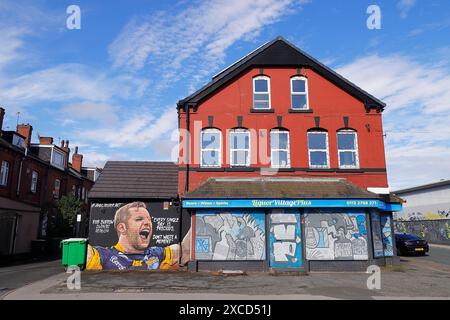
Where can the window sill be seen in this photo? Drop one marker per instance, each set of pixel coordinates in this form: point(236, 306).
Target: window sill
point(320, 170)
point(209, 169)
point(301, 111)
point(262, 110)
point(349, 170)
point(241, 169)
point(284, 169)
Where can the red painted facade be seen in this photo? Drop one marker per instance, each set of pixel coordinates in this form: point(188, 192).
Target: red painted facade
point(326, 100)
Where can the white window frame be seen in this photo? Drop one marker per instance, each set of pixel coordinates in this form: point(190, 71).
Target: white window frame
point(247, 160)
point(356, 150)
point(315, 166)
point(268, 92)
point(219, 150)
point(34, 181)
point(305, 93)
point(4, 173)
point(56, 190)
point(63, 157)
point(272, 150)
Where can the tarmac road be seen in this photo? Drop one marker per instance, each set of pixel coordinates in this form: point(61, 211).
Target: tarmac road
point(17, 276)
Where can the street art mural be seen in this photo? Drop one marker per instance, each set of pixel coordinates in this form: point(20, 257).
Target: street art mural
point(386, 234)
point(434, 231)
point(135, 236)
point(378, 250)
point(229, 235)
point(335, 236)
point(285, 239)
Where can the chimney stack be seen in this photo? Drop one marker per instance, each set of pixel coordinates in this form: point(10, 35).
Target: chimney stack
point(46, 140)
point(77, 160)
point(26, 131)
point(2, 116)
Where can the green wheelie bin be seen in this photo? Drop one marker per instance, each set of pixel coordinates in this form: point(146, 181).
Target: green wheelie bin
point(74, 251)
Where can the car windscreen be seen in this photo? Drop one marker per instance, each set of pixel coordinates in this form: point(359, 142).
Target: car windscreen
point(407, 237)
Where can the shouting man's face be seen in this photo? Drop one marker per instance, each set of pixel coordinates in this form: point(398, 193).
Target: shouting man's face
point(138, 229)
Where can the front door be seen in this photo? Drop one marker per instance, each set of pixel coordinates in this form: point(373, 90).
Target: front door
point(285, 239)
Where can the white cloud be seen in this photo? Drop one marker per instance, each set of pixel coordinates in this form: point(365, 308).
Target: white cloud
point(138, 131)
point(94, 159)
point(404, 6)
point(69, 82)
point(200, 33)
point(101, 112)
point(416, 117)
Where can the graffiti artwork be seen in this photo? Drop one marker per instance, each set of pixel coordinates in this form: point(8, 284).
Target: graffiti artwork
point(386, 234)
point(378, 250)
point(335, 236)
point(134, 236)
point(285, 239)
point(231, 235)
point(434, 231)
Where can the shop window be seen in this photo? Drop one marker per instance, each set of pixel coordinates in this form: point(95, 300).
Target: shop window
point(318, 149)
point(211, 145)
point(279, 149)
point(299, 93)
point(240, 147)
point(261, 93)
point(347, 149)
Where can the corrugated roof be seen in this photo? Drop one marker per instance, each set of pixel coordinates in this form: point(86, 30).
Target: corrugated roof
point(136, 180)
point(428, 186)
point(236, 188)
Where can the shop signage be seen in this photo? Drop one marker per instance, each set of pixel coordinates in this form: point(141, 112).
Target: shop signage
point(290, 203)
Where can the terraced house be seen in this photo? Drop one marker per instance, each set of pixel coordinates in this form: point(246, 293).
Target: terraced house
point(282, 166)
point(33, 177)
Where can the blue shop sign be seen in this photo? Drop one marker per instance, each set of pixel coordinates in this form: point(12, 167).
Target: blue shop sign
point(291, 203)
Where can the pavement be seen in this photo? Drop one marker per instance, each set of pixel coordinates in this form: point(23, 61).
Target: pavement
point(415, 278)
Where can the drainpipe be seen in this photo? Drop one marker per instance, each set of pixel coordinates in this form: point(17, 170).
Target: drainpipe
point(20, 172)
point(188, 156)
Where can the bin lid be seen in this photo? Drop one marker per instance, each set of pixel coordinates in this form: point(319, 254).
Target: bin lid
point(74, 240)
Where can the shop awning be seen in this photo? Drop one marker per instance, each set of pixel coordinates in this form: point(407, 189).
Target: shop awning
point(286, 192)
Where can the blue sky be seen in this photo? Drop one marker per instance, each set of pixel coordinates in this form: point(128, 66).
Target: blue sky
point(111, 87)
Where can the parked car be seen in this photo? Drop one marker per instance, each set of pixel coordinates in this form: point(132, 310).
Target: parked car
point(410, 244)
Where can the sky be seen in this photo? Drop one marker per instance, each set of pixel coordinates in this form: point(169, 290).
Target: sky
point(111, 86)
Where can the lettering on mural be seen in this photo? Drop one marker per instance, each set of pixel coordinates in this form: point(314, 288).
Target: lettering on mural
point(102, 225)
point(230, 236)
point(334, 236)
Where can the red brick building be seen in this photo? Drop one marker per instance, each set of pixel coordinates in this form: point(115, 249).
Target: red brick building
point(281, 143)
point(32, 177)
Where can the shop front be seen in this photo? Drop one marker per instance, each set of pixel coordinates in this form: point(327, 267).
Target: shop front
point(237, 229)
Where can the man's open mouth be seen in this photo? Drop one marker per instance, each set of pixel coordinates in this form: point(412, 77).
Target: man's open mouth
point(144, 234)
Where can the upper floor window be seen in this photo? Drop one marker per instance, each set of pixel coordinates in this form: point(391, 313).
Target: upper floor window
point(318, 149)
point(240, 147)
point(261, 93)
point(299, 93)
point(347, 149)
point(279, 149)
point(4, 173)
point(58, 159)
point(57, 188)
point(74, 190)
point(211, 146)
point(34, 181)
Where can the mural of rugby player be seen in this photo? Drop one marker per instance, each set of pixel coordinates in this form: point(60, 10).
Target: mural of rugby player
point(133, 225)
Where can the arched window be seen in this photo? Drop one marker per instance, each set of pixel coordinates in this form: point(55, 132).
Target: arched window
point(261, 93)
point(211, 146)
point(240, 147)
point(347, 142)
point(318, 149)
point(279, 149)
point(299, 93)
